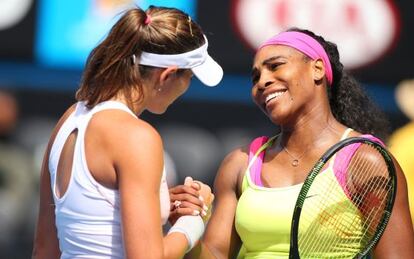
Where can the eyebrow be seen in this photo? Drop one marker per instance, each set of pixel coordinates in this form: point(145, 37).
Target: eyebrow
point(266, 62)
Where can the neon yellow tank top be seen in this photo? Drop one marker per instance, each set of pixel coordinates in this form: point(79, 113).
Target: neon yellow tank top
point(263, 216)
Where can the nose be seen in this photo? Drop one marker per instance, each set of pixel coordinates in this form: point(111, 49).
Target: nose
point(265, 79)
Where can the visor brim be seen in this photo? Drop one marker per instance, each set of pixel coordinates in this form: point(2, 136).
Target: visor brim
point(209, 72)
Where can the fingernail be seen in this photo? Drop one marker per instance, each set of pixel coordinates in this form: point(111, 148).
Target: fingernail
point(188, 180)
point(196, 212)
point(201, 198)
point(205, 208)
point(203, 213)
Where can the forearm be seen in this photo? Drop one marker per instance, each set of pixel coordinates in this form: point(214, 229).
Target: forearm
point(201, 251)
point(45, 250)
point(189, 227)
point(175, 245)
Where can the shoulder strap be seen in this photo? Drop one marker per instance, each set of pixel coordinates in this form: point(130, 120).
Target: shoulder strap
point(343, 137)
point(342, 159)
point(256, 167)
point(346, 133)
point(111, 105)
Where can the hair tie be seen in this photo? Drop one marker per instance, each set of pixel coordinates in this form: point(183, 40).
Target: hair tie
point(147, 20)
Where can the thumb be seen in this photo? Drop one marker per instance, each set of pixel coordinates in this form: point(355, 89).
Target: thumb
point(188, 181)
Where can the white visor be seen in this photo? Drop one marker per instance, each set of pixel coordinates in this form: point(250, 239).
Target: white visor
point(208, 71)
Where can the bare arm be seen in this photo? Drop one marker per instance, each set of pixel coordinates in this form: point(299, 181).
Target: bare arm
point(138, 160)
point(398, 238)
point(46, 243)
point(221, 239)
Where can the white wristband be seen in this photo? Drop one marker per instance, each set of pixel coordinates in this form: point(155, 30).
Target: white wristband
point(191, 226)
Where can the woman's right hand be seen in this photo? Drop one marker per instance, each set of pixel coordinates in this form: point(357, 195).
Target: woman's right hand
point(192, 198)
point(207, 196)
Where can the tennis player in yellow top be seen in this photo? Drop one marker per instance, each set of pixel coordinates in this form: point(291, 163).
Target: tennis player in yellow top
point(304, 90)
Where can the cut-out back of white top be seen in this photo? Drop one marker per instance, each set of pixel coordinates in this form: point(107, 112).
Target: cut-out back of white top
point(87, 214)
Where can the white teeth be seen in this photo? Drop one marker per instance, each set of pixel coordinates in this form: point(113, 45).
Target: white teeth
point(273, 95)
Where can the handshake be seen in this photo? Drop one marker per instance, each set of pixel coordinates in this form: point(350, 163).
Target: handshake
point(190, 209)
point(192, 198)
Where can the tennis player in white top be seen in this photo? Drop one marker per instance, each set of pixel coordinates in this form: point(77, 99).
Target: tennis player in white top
point(103, 191)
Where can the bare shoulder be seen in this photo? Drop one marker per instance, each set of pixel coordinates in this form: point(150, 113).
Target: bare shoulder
point(117, 126)
point(232, 168)
point(125, 140)
point(237, 156)
point(60, 122)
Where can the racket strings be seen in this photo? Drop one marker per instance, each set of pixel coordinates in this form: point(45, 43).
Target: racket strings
point(315, 240)
point(313, 243)
point(371, 172)
point(346, 224)
point(339, 226)
point(373, 196)
point(372, 188)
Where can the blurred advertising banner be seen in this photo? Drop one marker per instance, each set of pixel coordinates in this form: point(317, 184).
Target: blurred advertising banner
point(364, 30)
point(374, 36)
point(68, 30)
point(17, 25)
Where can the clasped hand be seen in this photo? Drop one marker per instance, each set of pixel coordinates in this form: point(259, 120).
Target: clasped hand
point(191, 198)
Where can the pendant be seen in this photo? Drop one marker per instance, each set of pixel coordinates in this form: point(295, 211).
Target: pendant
point(295, 162)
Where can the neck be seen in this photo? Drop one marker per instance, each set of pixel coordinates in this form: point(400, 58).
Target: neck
point(136, 107)
point(310, 130)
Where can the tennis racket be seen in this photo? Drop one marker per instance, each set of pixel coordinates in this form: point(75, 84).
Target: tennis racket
point(345, 202)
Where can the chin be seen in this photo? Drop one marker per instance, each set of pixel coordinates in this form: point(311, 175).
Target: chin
point(278, 120)
point(158, 111)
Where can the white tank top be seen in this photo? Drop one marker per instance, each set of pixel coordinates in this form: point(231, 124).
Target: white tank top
point(87, 215)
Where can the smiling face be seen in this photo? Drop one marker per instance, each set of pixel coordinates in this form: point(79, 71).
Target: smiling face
point(283, 83)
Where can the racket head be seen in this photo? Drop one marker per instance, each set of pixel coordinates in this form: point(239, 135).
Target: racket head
point(363, 196)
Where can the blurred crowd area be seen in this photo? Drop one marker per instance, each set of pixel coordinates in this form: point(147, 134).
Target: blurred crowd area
point(197, 135)
point(19, 167)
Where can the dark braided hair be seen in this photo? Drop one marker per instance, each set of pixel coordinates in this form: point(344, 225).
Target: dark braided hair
point(349, 103)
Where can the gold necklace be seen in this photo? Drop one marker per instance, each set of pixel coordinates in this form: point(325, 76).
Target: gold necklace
point(295, 161)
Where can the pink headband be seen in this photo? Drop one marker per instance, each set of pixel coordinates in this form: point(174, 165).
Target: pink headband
point(305, 44)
